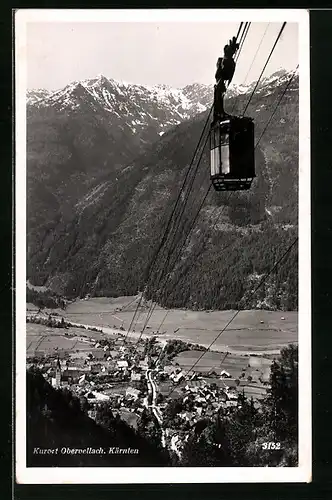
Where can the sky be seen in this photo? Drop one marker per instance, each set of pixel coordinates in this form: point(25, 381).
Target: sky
point(149, 53)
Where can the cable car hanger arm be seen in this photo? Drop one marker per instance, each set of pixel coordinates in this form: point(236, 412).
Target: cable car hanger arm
point(225, 72)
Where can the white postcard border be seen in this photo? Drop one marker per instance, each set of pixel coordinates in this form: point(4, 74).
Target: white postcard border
point(109, 475)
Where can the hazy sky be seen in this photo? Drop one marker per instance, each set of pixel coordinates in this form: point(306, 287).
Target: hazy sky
point(175, 54)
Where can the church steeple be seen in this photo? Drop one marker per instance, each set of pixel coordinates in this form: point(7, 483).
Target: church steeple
point(58, 374)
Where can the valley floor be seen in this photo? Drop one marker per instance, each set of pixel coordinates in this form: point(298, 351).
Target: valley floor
point(100, 362)
point(251, 332)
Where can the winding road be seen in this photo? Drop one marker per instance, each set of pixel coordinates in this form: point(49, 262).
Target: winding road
point(152, 389)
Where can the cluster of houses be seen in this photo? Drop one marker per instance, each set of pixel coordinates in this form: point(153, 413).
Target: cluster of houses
point(200, 400)
point(114, 371)
point(107, 371)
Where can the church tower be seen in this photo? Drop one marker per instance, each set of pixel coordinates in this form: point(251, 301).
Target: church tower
point(58, 374)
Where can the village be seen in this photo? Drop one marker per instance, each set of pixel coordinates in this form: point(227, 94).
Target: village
point(135, 377)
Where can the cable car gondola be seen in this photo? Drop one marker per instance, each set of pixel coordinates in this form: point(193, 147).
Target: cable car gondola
point(231, 137)
point(232, 153)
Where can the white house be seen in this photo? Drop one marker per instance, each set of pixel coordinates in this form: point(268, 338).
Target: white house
point(122, 364)
point(134, 393)
point(178, 377)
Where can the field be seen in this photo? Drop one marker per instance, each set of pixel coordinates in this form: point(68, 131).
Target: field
point(254, 391)
point(238, 367)
point(48, 341)
point(261, 332)
point(216, 361)
point(117, 388)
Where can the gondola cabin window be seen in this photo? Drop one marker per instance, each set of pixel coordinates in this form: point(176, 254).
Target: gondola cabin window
point(224, 150)
point(220, 149)
point(215, 152)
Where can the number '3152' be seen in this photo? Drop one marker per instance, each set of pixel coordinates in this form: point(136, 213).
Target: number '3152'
point(271, 446)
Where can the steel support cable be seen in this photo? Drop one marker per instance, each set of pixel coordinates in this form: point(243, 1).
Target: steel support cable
point(167, 264)
point(129, 303)
point(168, 227)
point(275, 109)
point(224, 248)
point(134, 316)
point(207, 229)
point(180, 250)
point(265, 65)
point(184, 242)
point(131, 324)
point(242, 40)
point(104, 312)
point(264, 130)
point(147, 319)
point(152, 307)
point(187, 235)
point(148, 316)
point(179, 195)
point(256, 53)
point(196, 150)
point(159, 356)
point(155, 304)
point(251, 65)
point(238, 31)
point(241, 43)
point(243, 36)
point(172, 213)
point(137, 319)
point(198, 156)
point(163, 321)
point(262, 281)
point(167, 279)
point(173, 243)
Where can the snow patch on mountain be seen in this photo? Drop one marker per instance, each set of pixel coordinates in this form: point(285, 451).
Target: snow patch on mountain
point(92, 197)
point(35, 95)
point(141, 107)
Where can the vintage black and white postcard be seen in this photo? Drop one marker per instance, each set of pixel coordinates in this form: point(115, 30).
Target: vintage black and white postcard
point(163, 302)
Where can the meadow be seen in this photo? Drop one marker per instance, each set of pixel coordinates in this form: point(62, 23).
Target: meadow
point(43, 340)
point(212, 361)
point(254, 331)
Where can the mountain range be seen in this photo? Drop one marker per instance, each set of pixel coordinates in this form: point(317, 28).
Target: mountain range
point(141, 106)
point(105, 162)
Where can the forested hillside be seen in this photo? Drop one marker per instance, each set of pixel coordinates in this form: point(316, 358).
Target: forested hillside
point(97, 233)
point(57, 420)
